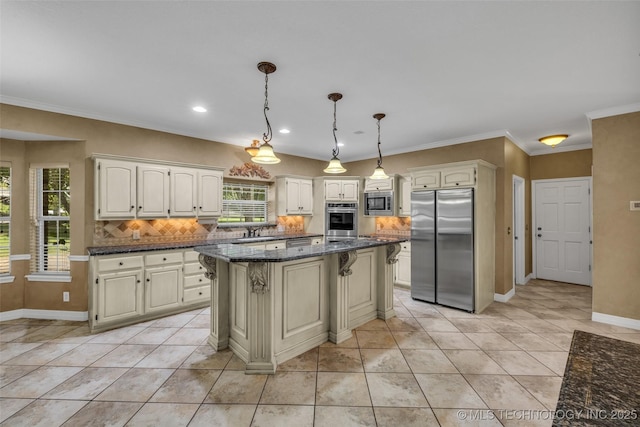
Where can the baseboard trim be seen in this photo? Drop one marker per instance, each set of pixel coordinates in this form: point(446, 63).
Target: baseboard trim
point(529, 277)
point(506, 297)
point(28, 313)
point(625, 322)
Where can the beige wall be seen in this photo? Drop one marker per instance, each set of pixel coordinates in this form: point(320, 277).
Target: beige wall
point(94, 136)
point(616, 229)
point(568, 164)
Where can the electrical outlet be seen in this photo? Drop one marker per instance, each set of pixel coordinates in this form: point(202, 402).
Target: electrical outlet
point(65, 297)
point(136, 235)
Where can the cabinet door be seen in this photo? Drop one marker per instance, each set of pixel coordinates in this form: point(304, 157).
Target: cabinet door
point(292, 189)
point(119, 296)
point(163, 288)
point(184, 194)
point(333, 190)
point(378, 184)
point(209, 193)
point(403, 269)
point(116, 190)
point(458, 177)
point(426, 180)
point(350, 191)
point(404, 200)
point(306, 197)
point(153, 192)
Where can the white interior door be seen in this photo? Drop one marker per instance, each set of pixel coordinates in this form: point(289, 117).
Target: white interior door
point(562, 230)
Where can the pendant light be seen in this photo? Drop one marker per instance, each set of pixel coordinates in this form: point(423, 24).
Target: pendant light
point(378, 173)
point(334, 164)
point(253, 149)
point(265, 153)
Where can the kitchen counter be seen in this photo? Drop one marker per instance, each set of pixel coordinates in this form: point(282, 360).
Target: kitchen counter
point(145, 247)
point(238, 253)
point(269, 306)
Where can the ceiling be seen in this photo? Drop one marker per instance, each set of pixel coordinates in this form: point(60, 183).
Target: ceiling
point(444, 72)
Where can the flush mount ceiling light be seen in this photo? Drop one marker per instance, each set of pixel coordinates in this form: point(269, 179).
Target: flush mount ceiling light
point(378, 173)
point(199, 109)
point(253, 148)
point(553, 140)
point(265, 153)
point(285, 131)
point(334, 164)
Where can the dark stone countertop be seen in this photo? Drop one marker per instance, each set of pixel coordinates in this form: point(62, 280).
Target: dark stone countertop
point(239, 253)
point(145, 247)
point(600, 384)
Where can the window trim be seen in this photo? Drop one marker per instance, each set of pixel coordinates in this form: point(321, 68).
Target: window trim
point(6, 277)
point(231, 224)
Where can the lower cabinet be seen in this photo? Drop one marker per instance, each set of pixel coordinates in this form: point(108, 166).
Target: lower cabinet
point(132, 288)
point(402, 268)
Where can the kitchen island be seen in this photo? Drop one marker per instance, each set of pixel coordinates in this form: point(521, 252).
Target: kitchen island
point(269, 306)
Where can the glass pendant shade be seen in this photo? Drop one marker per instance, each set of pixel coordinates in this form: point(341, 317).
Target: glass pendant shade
point(265, 155)
point(253, 149)
point(378, 173)
point(553, 140)
point(334, 166)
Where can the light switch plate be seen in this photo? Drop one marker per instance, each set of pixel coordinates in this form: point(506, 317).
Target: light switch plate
point(634, 205)
point(136, 235)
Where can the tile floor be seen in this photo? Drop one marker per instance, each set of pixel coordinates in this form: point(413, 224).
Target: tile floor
point(421, 368)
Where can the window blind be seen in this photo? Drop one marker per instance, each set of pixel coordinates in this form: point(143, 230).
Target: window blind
point(244, 203)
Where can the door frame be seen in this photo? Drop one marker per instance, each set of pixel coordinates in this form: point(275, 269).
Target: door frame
point(534, 225)
point(518, 220)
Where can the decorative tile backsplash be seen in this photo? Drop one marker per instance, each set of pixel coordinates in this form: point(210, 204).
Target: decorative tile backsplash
point(109, 233)
point(393, 225)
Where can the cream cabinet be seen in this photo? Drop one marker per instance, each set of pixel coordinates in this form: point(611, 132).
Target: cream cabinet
point(404, 196)
point(379, 184)
point(196, 287)
point(138, 188)
point(294, 196)
point(115, 189)
point(209, 193)
point(118, 289)
point(341, 190)
point(317, 241)
point(402, 268)
point(464, 176)
point(152, 191)
point(140, 286)
point(163, 281)
point(425, 180)
point(184, 192)
point(280, 244)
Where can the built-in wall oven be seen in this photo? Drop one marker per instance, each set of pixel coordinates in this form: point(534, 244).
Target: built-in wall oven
point(341, 221)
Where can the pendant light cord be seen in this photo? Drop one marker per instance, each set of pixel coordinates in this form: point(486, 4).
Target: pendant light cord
point(336, 150)
point(379, 152)
point(266, 137)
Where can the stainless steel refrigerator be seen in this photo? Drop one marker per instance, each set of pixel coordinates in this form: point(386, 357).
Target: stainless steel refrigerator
point(442, 247)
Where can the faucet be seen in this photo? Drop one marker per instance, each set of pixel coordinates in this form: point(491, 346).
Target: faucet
point(253, 231)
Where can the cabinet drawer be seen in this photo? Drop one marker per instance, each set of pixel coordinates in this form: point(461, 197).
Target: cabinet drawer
point(163, 258)
point(198, 280)
point(196, 294)
point(317, 241)
point(405, 247)
point(191, 256)
point(275, 245)
point(120, 263)
point(193, 268)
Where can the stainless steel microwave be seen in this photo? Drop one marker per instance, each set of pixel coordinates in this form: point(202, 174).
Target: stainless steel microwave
point(378, 203)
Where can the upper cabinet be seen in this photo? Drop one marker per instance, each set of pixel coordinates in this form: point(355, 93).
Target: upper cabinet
point(294, 196)
point(345, 190)
point(128, 189)
point(434, 177)
point(425, 180)
point(115, 189)
point(458, 177)
point(404, 196)
point(371, 185)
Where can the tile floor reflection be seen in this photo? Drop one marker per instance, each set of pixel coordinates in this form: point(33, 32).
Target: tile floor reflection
point(418, 369)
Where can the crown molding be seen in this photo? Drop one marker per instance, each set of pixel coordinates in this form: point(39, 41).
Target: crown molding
point(613, 111)
point(560, 149)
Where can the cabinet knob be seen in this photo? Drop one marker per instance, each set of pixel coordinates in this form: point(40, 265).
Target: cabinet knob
point(120, 263)
point(457, 183)
point(199, 280)
point(148, 280)
point(199, 293)
point(139, 207)
point(137, 281)
point(200, 268)
point(132, 208)
point(194, 208)
point(164, 259)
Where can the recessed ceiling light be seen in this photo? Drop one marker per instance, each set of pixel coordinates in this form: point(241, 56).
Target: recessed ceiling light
point(199, 109)
point(284, 131)
point(340, 144)
point(358, 132)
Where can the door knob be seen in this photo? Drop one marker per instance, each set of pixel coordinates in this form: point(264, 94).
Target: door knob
point(539, 235)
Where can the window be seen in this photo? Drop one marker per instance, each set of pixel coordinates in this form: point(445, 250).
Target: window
point(244, 203)
point(50, 208)
point(5, 218)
